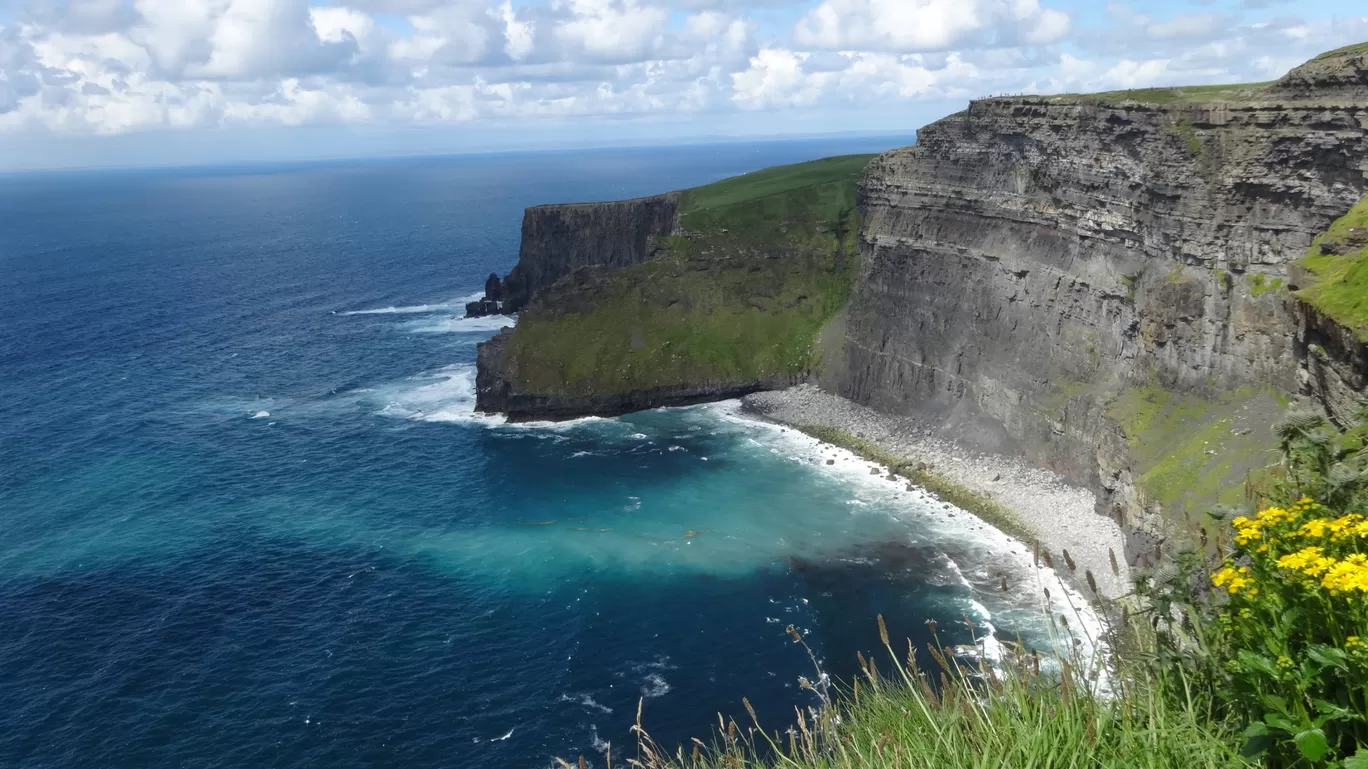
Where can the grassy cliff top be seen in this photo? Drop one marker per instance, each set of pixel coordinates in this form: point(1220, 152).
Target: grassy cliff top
point(761, 263)
point(1338, 260)
point(1185, 94)
point(776, 181)
point(774, 201)
point(1321, 77)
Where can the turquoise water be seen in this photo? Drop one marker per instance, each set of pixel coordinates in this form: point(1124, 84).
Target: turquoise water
point(250, 518)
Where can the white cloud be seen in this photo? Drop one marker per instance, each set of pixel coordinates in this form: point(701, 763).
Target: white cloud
point(929, 25)
point(112, 66)
point(611, 30)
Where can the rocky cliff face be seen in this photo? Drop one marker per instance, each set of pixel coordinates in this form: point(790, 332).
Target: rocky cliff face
point(1032, 261)
point(557, 240)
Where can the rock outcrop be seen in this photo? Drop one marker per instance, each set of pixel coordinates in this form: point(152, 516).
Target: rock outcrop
point(492, 303)
point(557, 240)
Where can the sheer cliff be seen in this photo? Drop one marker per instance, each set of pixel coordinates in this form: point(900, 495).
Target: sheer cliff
point(557, 240)
point(1088, 279)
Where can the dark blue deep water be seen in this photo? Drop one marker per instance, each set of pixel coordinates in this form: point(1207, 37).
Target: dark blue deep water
point(247, 518)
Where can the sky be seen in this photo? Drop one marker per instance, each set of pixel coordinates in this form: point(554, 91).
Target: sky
point(174, 82)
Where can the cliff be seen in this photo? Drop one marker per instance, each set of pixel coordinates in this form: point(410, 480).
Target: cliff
point(708, 293)
point(1104, 283)
point(557, 240)
point(1124, 287)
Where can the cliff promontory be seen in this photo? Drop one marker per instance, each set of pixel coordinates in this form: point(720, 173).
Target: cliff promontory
point(1123, 287)
point(705, 294)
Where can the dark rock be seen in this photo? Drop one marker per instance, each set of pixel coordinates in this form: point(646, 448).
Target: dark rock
point(559, 239)
point(494, 287)
point(1331, 248)
point(831, 461)
point(1356, 237)
point(484, 307)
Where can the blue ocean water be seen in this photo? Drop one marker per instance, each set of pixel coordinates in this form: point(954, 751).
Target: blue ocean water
point(250, 520)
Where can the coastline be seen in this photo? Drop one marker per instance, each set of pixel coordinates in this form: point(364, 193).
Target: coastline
point(1025, 502)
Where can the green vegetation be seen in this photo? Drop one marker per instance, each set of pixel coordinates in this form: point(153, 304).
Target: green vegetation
point(1259, 284)
point(1189, 136)
point(1348, 50)
point(1192, 453)
point(966, 499)
point(764, 261)
point(1337, 261)
point(1254, 657)
point(1189, 94)
point(823, 187)
point(970, 715)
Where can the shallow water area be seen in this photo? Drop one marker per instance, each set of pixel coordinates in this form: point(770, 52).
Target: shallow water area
point(251, 518)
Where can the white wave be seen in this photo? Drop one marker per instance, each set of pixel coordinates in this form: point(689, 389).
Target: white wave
point(654, 686)
point(460, 325)
point(586, 701)
point(951, 528)
point(413, 309)
point(261, 415)
point(600, 744)
point(501, 739)
point(445, 395)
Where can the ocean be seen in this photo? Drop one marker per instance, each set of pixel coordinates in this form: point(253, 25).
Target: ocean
point(250, 519)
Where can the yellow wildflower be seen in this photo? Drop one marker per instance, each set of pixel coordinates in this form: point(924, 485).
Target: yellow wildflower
point(1344, 576)
point(1314, 528)
point(1232, 579)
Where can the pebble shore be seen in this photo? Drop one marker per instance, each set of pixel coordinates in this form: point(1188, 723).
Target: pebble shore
point(1061, 514)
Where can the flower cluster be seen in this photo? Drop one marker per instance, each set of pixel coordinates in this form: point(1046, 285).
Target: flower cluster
point(1235, 580)
point(1307, 542)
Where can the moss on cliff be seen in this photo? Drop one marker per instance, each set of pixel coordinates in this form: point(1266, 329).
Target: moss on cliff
point(1192, 453)
point(1338, 260)
point(738, 295)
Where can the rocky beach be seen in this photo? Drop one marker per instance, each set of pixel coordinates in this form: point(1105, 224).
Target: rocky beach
point(1062, 515)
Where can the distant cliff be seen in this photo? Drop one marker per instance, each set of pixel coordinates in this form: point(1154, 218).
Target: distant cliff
point(709, 293)
point(557, 240)
point(1125, 287)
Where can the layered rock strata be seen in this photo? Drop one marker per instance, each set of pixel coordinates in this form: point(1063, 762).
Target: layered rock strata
point(1031, 258)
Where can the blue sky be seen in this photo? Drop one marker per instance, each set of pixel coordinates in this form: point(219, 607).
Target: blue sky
point(149, 82)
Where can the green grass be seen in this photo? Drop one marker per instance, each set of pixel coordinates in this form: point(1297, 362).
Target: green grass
point(839, 174)
point(1341, 287)
point(1259, 284)
point(763, 262)
point(968, 715)
point(1188, 94)
point(1347, 50)
point(981, 505)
